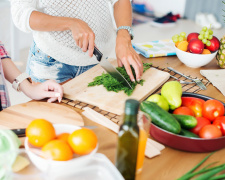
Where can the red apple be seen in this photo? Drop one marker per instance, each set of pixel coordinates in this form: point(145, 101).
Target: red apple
point(192, 36)
point(215, 44)
point(196, 46)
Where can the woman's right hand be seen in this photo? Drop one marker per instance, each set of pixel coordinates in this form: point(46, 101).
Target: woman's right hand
point(83, 35)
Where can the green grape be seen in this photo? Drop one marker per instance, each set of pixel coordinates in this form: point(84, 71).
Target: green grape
point(204, 28)
point(200, 37)
point(210, 32)
point(183, 34)
point(181, 38)
point(208, 43)
point(204, 41)
point(210, 37)
point(202, 32)
point(206, 36)
point(175, 39)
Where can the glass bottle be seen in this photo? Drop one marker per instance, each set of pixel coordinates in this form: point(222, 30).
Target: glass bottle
point(128, 138)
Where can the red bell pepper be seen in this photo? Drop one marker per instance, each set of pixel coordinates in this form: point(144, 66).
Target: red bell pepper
point(195, 104)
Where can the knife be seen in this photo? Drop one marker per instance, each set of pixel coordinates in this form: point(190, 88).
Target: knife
point(105, 64)
point(22, 132)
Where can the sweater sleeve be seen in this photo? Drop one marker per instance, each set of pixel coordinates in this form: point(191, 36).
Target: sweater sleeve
point(21, 11)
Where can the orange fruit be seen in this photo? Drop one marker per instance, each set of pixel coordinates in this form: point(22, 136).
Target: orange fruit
point(57, 150)
point(39, 132)
point(63, 136)
point(83, 141)
point(183, 45)
point(206, 51)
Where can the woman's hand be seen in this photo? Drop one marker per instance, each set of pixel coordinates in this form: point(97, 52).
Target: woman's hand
point(127, 56)
point(48, 89)
point(83, 35)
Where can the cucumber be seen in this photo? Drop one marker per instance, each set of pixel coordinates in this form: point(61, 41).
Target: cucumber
point(186, 121)
point(187, 133)
point(160, 117)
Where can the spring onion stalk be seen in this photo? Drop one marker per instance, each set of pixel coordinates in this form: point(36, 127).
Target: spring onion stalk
point(211, 173)
point(188, 175)
point(221, 176)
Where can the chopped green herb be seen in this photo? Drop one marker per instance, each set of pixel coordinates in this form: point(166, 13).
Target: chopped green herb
point(112, 84)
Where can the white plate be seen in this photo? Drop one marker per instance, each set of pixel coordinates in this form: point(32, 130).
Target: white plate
point(98, 168)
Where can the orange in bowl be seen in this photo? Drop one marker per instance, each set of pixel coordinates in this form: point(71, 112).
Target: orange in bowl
point(63, 136)
point(83, 141)
point(57, 150)
point(39, 132)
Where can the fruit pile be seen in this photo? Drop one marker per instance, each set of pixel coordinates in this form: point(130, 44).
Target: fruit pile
point(187, 116)
point(62, 147)
point(197, 43)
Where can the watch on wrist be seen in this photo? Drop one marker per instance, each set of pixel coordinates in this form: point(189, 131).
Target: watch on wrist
point(20, 79)
point(128, 28)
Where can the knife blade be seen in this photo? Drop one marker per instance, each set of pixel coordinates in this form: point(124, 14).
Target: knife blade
point(105, 64)
point(21, 132)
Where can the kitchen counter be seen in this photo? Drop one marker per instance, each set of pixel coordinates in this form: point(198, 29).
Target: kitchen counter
point(172, 163)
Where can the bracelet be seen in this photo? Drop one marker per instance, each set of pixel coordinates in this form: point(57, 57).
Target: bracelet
point(20, 79)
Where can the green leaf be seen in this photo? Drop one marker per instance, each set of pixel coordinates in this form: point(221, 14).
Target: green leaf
point(112, 84)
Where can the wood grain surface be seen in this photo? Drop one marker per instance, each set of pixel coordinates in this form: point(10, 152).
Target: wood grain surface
point(76, 89)
point(19, 116)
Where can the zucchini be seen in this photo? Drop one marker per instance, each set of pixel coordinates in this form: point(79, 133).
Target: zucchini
point(160, 117)
point(186, 121)
point(187, 133)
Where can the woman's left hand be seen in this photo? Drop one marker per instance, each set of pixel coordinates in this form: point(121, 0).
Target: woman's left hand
point(127, 56)
point(48, 89)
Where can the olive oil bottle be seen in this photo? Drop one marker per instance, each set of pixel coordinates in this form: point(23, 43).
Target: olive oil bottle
point(128, 138)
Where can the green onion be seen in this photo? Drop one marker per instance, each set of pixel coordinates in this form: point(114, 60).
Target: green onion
point(189, 174)
point(209, 174)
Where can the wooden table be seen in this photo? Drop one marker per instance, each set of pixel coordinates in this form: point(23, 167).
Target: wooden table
point(172, 163)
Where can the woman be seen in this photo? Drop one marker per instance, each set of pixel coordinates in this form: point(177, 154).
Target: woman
point(64, 30)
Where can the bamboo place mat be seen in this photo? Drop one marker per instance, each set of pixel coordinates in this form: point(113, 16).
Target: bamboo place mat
point(116, 118)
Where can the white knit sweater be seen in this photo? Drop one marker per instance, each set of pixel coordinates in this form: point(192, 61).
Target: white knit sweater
point(60, 44)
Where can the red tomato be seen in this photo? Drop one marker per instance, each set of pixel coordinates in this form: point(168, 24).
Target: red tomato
point(212, 108)
point(184, 111)
point(210, 131)
point(220, 123)
point(201, 122)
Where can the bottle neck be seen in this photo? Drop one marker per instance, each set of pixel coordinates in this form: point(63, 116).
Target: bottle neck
point(130, 120)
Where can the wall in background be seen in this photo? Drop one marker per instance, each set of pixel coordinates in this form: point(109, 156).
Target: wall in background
point(162, 7)
point(205, 6)
point(22, 40)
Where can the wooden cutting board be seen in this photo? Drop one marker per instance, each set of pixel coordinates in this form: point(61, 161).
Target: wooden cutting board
point(19, 116)
point(77, 89)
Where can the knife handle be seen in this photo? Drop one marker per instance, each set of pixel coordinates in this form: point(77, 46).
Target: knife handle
point(19, 132)
point(98, 54)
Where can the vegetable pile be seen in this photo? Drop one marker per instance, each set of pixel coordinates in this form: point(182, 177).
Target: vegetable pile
point(186, 116)
point(111, 84)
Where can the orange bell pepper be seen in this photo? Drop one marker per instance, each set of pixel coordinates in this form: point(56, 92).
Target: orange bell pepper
point(195, 104)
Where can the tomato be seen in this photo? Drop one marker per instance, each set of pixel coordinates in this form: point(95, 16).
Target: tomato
point(201, 122)
point(212, 108)
point(220, 123)
point(184, 111)
point(210, 131)
point(195, 104)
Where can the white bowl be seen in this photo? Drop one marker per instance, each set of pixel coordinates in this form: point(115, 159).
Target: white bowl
point(57, 167)
point(194, 60)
